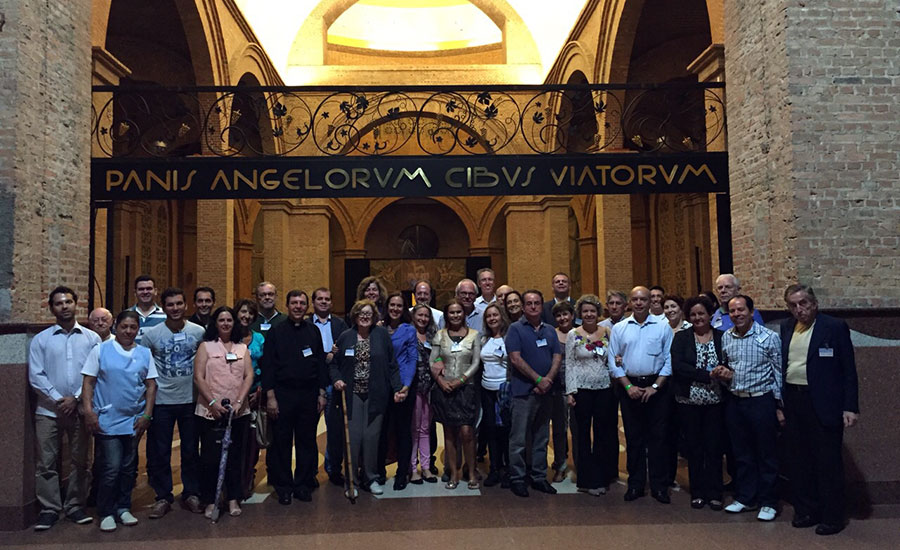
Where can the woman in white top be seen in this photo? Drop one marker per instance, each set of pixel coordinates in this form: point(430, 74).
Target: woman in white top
point(496, 364)
point(673, 309)
point(590, 394)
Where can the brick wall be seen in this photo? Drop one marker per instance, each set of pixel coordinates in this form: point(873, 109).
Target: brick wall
point(813, 112)
point(45, 114)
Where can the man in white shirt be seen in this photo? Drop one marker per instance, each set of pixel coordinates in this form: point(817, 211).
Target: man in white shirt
point(55, 359)
point(423, 295)
point(485, 278)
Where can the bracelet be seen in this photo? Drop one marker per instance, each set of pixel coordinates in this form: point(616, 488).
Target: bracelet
point(628, 387)
point(462, 378)
point(211, 403)
point(438, 360)
point(147, 416)
point(538, 381)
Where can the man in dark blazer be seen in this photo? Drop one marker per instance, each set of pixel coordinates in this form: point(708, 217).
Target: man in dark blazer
point(820, 400)
point(561, 287)
point(330, 327)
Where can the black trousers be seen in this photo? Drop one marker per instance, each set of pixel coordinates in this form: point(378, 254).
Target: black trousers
point(814, 459)
point(753, 426)
point(295, 429)
point(702, 427)
point(211, 434)
point(397, 425)
point(496, 437)
point(596, 433)
point(645, 438)
point(334, 434)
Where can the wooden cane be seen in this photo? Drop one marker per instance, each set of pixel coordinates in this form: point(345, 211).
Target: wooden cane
point(348, 461)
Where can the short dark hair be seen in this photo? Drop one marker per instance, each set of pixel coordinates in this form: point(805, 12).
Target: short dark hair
point(62, 290)
point(200, 289)
point(169, 292)
point(143, 278)
point(675, 298)
point(657, 287)
point(405, 317)
point(562, 306)
point(535, 291)
point(713, 299)
point(747, 299)
point(212, 331)
point(293, 293)
point(510, 293)
point(702, 300)
point(320, 289)
point(127, 314)
point(799, 287)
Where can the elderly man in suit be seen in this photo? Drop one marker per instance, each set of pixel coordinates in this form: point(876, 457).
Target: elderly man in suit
point(561, 286)
point(820, 400)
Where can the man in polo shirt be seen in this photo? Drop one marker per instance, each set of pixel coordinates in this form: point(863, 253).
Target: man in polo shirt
point(100, 321)
point(173, 345)
point(204, 302)
point(727, 287)
point(535, 355)
point(330, 327)
point(269, 317)
point(752, 363)
point(615, 306)
point(55, 358)
point(640, 361)
point(820, 401)
point(146, 308)
point(424, 295)
point(485, 278)
point(561, 287)
point(465, 295)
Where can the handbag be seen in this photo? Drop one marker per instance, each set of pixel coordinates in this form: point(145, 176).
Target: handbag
point(259, 422)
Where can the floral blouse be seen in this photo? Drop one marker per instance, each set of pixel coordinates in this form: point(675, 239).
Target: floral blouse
point(586, 363)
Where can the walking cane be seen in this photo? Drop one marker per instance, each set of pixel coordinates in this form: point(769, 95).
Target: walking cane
point(226, 442)
point(348, 461)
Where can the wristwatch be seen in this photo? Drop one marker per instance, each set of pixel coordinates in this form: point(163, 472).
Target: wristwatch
point(655, 386)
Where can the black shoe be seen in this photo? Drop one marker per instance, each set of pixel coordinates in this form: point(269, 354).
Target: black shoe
point(633, 494)
point(698, 503)
point(381, 479)
point(446, 477)
point(802, 522)
point(433, 469)
point(336, 478)
point(492, 479)
point(303, 494)
point(828, 529)
point(504, 481)
point(661, 496)
point(543, 486)
point(46, 520)
point(284, 498)
point(419, 481)
point(400, 483)
point(78, 516)
point(716, 505)
point(313, 484)
point(519, 489)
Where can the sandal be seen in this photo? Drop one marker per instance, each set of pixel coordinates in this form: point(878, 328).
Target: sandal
point(234, 509)
point(451, 485)
point(474, 484)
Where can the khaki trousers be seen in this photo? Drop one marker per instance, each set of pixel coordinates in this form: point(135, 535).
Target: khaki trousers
point(49, 432)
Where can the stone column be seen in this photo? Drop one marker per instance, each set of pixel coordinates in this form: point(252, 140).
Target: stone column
point(537, 241)
point(45, 118)
point(614, 259)
point(292, 259)
point(275, 230)
point(215, 248)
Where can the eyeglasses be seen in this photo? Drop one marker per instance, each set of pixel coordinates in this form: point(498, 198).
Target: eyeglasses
point(367, 315)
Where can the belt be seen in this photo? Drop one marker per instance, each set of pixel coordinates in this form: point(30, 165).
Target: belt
point(748, 393)
point(800, 388)
point(643, 381)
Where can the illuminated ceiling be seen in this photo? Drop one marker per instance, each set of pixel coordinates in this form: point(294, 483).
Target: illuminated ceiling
point(423, 25)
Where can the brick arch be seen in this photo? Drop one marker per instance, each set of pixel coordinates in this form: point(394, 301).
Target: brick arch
point(375, 207)
point(575, 58)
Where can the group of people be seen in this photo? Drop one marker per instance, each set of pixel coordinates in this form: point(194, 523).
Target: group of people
point(495, 367)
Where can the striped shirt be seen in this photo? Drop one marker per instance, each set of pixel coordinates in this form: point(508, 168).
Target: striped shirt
point(755, 358)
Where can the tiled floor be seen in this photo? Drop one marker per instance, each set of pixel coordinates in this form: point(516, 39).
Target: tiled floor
point(421, 517)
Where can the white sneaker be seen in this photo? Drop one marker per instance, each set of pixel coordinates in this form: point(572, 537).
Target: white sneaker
point(127, 518)
point(737, 507)
point(766, 513)
point(108, 524)
point(376, 488)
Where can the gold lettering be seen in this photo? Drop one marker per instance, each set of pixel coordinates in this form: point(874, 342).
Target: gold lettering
point(558, 179)
point(622, 182)
point(646, 173)
point(604, 168)
point(267, 183)
point(589, 173)
point(493, 179)
point(511, 181)
point(383, 183)
point(113, 179)
point(164, 183)
point(360, 176)
point(412, 176)
point(251, 182)
point(697, 171)
point(343, 174)
point(190, 179)
point(449, 175)
point(220, 177)
point(133, 177)
point(668, 177)
point(290, 177)
point(528, 179)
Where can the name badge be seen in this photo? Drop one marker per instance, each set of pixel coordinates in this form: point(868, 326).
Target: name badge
point(427, 344)
point(542, 343)
point(455, 347)
point(600, 351)
point(307, 352)
point(498, 352)
point(179, 337)
point(349, 352)
point(826, 352)
point(231, 356)
point(762, 337)
point(265, 326)
point(717, 323)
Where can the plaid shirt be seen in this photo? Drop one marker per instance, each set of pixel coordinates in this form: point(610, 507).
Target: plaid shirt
point(755, 358)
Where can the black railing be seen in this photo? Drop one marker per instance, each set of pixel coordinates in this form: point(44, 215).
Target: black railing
point(165, 122)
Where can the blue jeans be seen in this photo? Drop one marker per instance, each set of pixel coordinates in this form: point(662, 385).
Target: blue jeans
point(117, 465)
point(530, 416)
point(159, 450)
